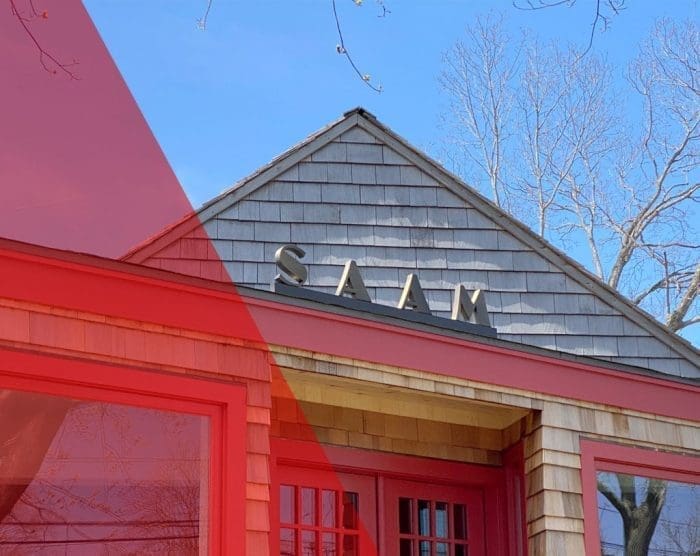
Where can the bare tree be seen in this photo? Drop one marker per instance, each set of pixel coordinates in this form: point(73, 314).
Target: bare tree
point(546, 129)
point(478, 77)
point(639, 514)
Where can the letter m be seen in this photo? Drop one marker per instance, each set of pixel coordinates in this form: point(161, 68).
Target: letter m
point(470, 308)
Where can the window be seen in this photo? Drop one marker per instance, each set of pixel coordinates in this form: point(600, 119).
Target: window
point(433, 519)
point(639, 502)
point(322, 513)
point(318, 521)
point(99, 457)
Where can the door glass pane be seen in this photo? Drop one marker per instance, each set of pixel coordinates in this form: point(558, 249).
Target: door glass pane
point(287, 542)
point(308, 506)
point(329, 544)
point(406, 547)
point(461, 550)
point(405, 513)
point(460, 521)
point(424, 517)
point(350, 545)
point(287, 499)
point(667, 515)
point(351, 508)
point(441, 520)
point(441, 549)
point(308, 543)
point(328, 508)
point(424, 548)
point(85, 473)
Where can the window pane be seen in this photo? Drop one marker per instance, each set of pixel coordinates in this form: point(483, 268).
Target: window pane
point(441, 520)
point(405, 547)
point(329, 544)
point(461, 550)
point(92, 476)
point(351, 502)
point(287, 542)
point(424, 517)
point(424, 548)
point(673, 506)
point(441, 549)
point(405, 525)
point(308, 506)
point(308, 543)
point(287, 493)
point(460, 521)
point(328, 508)
point(350, 545)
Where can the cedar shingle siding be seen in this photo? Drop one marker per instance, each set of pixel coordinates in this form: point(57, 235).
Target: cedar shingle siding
point(350, 195)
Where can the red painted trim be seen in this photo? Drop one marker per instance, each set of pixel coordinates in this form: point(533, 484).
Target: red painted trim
point(602, 456)
point(514, 466)
point(185, 303)
point(356, 460)
point(373, 341)
point(223, 403)
point(104, 291)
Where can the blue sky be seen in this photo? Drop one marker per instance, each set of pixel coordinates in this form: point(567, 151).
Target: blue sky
point(264, 74)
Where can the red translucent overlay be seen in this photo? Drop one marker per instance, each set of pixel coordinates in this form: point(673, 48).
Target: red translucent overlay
point(81, 171)
point(96, 477)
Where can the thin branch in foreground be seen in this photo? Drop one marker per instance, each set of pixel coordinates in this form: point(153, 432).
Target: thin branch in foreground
point(341, 49)
point(43, 53)
point(202, 21)
point(599, 18)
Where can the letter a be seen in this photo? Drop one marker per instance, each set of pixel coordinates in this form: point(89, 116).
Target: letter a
point(412, 296)
point(464, 307)
point(351, 283)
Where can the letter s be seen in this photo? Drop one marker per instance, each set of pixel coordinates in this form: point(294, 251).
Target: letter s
point(295, 273)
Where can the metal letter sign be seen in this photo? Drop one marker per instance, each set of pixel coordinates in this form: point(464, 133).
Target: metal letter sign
point(464, 307)
point(295, 271)
point(351, 283)
point(351, 290)
point(412, 296)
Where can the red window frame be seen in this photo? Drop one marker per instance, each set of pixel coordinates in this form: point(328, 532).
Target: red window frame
point(646, 462)
point(502, 506)
point(223, 402)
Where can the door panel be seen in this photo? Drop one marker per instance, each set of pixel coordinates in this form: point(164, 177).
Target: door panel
point(323, 513)
point(424, 519)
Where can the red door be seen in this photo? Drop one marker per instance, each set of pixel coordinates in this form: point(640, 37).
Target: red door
point(424, 519)
point(323, 513)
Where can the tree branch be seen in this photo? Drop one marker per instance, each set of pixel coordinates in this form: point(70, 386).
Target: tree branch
point(43, 53)
point(342, 49)
point(606, 491)
point(675, 320)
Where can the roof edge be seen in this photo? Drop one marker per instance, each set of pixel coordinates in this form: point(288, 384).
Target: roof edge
point(92, 263)
point(570, 267)
point(367, 121)
point(247, 185)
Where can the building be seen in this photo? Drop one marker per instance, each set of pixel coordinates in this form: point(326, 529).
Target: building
point(239, 420)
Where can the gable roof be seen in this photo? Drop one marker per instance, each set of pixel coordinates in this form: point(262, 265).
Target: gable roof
point(359, 118)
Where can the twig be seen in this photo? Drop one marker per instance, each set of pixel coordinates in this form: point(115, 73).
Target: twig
point(616, 6)
point(43, 54)
point(341, 49)
point(202, 21)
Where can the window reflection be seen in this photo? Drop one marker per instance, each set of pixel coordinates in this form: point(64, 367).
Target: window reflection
point(94, 477)
point(642, 516)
